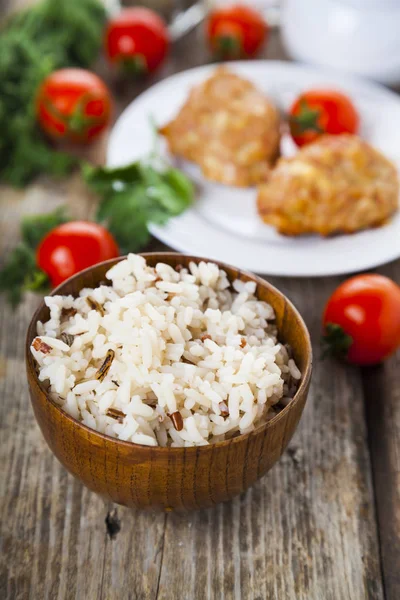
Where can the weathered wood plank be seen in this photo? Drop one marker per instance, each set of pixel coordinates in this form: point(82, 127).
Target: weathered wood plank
point(382, 396)
point(132, 560)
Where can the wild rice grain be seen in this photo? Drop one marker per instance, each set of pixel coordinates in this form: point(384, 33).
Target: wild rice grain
point(40, 346)
point(95, 305)
point(116, 414)
point(66, 313)
point(67, 338)
point(105, 367)
point(177, 420)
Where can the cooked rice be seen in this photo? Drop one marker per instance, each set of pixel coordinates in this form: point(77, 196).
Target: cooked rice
point(169, 357)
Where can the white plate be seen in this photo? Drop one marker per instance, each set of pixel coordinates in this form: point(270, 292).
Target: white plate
point(223, 223)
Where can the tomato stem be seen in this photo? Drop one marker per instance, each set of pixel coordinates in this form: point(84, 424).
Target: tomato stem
point(135, 65)
point(335, 341)
point(78, 122)
point(228, 46)
point(306, 119)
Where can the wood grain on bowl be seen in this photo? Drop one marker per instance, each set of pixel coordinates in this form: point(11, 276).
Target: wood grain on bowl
point(171, 478)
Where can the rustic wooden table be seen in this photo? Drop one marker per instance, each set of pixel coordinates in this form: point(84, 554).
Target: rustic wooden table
point(324, 524)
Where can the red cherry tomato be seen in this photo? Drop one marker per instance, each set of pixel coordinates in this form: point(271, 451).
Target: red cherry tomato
point(73, 104)
point(321, 111)
point(235, 31)
point(74, 246)
point(362, 319)
point(137, 39)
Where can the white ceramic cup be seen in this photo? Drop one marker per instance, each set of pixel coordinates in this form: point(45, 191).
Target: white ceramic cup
point(359, 36)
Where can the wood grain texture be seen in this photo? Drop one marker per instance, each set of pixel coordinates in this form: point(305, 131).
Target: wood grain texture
point(305, 531)
point(382, 395)
point(171, 478)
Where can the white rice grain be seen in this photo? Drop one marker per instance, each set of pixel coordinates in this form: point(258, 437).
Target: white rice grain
point(184, 340)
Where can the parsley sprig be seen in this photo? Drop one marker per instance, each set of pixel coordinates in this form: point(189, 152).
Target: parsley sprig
point(131, 197)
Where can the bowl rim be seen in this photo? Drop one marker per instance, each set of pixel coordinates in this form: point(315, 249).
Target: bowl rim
point(301, 390)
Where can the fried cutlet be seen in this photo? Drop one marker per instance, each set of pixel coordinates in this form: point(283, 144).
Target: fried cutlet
point(229, 128)
point(339, 183)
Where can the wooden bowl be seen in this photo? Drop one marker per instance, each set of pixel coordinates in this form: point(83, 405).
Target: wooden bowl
point(171, 478)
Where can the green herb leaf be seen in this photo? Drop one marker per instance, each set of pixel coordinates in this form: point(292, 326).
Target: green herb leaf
point(37, 281)
point(35, 227)
point(104, 180)
point(20, 273)
point(138, 194)
point(181, 184)
point(125, 214)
